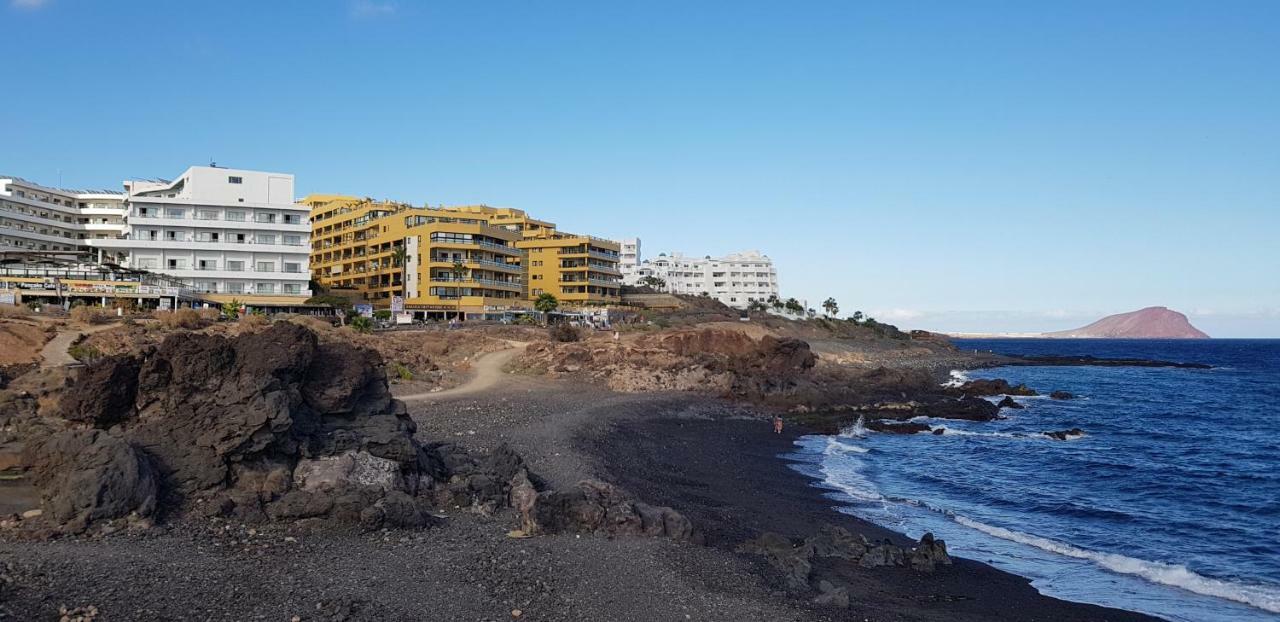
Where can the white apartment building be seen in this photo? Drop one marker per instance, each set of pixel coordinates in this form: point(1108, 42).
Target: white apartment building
point(629, 257)
point(55, 221)
point(222, 231)
point(735, 279)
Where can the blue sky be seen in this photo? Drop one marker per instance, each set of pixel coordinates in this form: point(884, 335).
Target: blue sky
point(968, 166)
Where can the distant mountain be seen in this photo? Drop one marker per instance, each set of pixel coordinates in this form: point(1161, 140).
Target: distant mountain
point(1149, 323)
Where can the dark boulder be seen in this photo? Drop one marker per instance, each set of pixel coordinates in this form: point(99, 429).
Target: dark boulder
point(966, 408)
point(103, 393)
point(1061, 395)
point(1009, 402)
point(929, 554)
point(997, 386)
point(89, 475)
point(1065, 435)
point(909, 427)
point(597, 507)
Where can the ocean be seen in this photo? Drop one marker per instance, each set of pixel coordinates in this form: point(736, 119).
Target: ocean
point(1168, 505)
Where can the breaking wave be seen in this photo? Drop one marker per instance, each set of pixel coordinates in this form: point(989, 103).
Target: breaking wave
point(1174, 575)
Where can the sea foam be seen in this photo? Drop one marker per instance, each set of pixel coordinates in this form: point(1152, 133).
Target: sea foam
point(1174, 575)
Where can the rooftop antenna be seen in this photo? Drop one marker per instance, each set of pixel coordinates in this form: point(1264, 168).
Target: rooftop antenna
point(59, 178)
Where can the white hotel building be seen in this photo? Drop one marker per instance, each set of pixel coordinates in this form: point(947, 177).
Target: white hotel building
point(224, 231)
point(735, 279)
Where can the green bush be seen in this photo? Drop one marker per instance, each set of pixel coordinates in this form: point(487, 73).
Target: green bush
point(382, 314)
point(83, 353)
point(361, 324)
point(403, 372)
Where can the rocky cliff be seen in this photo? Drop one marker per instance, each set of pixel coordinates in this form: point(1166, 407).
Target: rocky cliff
point(1149, 323)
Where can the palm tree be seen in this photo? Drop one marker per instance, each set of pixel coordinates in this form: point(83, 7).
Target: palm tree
point(775, 302)
point(398, 256)
point(793, 306)
point(546, 303)
point(459, 271)
point(830, 308)
point(856, 317)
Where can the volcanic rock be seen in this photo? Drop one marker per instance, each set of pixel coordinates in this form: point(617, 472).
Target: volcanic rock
point(1064, 435)
point(597, 507)
point(1061, 395)
point(909, 427)
point(1009, 402)
point(929, 554)
point(998, 386)
point(89, 475)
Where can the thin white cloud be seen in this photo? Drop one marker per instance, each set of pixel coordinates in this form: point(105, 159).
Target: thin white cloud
point(370, 8)
point(896, 314)
point(30, 5)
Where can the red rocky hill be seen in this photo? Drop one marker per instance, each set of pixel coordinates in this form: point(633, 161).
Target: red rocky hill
point(1149, 323)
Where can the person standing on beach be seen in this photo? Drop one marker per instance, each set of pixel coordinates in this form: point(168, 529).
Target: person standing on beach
point(777, 424)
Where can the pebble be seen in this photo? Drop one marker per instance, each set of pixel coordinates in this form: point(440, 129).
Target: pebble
point(36, 513)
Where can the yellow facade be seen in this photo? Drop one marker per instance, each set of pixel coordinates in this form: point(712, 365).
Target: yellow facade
point(471, 258)
point(576, 269)
point(441, 261)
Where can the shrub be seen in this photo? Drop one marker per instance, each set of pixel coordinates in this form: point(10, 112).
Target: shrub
point(526, 320)
point(382, 314)
point(361, 324)
point(89, 315)
point(180, 318)
point(564, 333)
point(254, 320)
point(13, 311)
point(403, 372)
point(210, 315)
point(231, 309)
point(83, 353)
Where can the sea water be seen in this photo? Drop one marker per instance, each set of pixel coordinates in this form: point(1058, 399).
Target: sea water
point(1169, 504)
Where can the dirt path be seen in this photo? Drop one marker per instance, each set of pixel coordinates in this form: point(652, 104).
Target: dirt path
point(486, 373)
point(55, 353)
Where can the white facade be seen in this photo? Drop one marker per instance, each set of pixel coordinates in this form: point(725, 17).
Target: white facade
point(50, 220)
point(735, 279)
point(629, 257)
point(223, 231)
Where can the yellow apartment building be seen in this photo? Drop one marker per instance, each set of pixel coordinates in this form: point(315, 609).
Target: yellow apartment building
point(444, 263)
point(576, 269)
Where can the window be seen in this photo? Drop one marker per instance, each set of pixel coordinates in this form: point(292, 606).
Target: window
point(293, 268)
point(264, 238)
point(174, 236)
point(148, 263)
point(264, 217)
point(207, 236)
point(206, 264)
point(266, 288)
point(205, 214)
point(235, 216)
point(235, 288)
point(292, 288)
point(235, 266)
point(293, 240)
point(177, 264)
point(292, 219)
point(175, 213)
point(235, 180)
point(239, 238)
point(266, 266)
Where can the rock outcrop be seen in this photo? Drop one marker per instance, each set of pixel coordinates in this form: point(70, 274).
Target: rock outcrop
point(265, 425)
point(86, 476)
point(713, 360)
point(989, 388)
point(835, 545)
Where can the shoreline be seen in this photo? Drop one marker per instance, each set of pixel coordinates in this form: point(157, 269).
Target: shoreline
point(729, 476)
